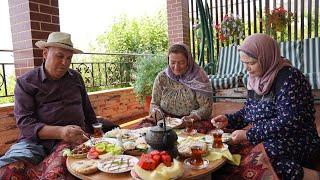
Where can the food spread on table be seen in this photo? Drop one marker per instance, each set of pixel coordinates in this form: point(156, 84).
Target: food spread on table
point(106, 154)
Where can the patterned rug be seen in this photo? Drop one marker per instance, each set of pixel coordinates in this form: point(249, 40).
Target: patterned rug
point(254, 164)
point(52, 167)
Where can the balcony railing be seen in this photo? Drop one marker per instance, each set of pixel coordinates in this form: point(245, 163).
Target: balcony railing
point(98, 70)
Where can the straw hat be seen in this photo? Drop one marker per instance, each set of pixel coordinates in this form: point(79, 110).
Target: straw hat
point(58, 39)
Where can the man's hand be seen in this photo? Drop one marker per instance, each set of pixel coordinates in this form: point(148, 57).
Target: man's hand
point(220, 121)
point(239, 136)
point(72, 133)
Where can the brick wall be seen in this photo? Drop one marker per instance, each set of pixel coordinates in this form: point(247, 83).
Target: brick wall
point(178, 21)
point(31, 20)
point(115, 105)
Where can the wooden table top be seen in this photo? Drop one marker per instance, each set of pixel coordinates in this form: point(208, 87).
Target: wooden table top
point(188, 174)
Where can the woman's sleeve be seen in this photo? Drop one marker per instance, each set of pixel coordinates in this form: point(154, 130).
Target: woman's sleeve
point(205, 107)
point(236, 120)
point(156, 94)
point(292, 104)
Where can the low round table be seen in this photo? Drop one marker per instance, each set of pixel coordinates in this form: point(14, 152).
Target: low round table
point(188, 174)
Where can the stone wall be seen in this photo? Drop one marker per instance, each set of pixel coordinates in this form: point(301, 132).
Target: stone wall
point(118, 105)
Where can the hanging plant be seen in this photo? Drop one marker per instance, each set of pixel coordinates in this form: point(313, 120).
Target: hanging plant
point(231, 27)
point(278, 19)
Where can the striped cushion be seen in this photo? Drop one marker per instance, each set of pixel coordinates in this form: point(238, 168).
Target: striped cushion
point(314, 79)
point(245, 80)
point(229, 61)
point(225, 81)
point(311, 61)
point(292, 50)
point(229, 69)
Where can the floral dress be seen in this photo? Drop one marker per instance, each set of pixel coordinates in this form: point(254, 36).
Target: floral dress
point(177, 100)
point(283, 121)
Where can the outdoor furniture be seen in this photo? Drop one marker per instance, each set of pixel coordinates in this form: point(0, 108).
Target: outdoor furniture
point(311, 61)
point(229, 69)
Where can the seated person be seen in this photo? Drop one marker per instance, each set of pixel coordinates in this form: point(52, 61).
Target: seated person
point(51, 106)
point(183, 89)
point(279, 111)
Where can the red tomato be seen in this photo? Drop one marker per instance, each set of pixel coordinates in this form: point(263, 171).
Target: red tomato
point(166, 159)
point(157, 159)
point(155, 152)
point(146, 162)
point(164, 153)
point(92, 154)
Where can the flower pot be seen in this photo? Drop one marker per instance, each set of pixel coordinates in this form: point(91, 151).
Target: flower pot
point(147, 103)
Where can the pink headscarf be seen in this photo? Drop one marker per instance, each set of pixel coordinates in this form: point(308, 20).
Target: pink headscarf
point(266, 50)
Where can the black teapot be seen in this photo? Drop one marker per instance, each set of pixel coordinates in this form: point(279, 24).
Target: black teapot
point(162, 137)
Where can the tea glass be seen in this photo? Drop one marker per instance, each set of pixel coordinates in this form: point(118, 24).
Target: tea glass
point(217, 138)
point(189, 126)
point(196, 155)
point(97, 130)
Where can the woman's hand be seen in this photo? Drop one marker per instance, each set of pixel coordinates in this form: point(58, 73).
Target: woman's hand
point(239, 136)
point(191, 116)
point(220, 121)
point(72, 133)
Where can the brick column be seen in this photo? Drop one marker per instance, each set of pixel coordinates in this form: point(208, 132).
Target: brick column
point(178, 21)
point(31, 20)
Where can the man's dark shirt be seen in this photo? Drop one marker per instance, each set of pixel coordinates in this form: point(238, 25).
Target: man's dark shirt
point(41, 101)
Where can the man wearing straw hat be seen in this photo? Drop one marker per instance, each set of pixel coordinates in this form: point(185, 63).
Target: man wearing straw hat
point(51, 105)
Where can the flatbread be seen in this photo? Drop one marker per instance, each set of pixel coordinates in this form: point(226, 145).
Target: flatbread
point(184, 146)
point(85, 166)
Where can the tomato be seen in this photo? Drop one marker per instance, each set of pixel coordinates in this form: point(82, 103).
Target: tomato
point(166, 159)
point(155, 152)
point(157, 159)
point(164, 153)
point(146, 162)
point(92, 154)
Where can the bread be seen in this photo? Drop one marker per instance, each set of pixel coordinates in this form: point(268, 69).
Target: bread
point(85, 166)
point(184, 146)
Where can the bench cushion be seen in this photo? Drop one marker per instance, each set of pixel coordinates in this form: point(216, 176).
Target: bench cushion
point(225, 81)
point(229, 69)
point(311, 61)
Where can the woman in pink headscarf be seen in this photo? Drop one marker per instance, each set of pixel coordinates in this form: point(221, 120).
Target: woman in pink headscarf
point(279, 110)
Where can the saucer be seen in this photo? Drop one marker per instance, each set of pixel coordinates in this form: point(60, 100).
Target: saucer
point(225, 146)
point(205, 164)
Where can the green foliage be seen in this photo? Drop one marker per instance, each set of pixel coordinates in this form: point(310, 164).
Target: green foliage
point(146, 70)
point(144, 35)
point(11, 81)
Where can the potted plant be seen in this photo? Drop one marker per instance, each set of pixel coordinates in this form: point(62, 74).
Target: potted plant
point(146, 70)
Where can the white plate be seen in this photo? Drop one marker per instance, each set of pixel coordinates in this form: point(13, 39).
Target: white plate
point(172, 122)
point(117, 164)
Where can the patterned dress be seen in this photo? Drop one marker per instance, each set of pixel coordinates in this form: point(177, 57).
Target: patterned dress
point(177, 100)
point(283, 121)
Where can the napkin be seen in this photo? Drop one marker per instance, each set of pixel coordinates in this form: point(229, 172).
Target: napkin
point(215, 154)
